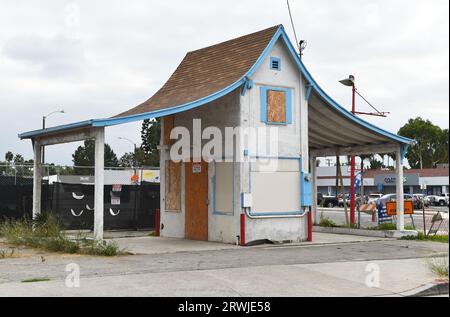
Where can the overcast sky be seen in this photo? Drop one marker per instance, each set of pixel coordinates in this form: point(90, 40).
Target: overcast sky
point(98, 58)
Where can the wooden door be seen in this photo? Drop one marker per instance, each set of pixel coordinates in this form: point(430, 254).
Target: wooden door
point(196, 201)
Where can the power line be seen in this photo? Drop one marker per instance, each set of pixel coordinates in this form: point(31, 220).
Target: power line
point(378, 112)
point(293, 27)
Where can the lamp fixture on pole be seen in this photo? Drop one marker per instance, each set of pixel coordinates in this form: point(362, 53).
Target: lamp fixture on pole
point(43, 127)
point(350, 82)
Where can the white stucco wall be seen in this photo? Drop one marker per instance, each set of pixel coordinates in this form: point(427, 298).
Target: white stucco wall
point(222, 113)
point(291, 141)
point(235, 110)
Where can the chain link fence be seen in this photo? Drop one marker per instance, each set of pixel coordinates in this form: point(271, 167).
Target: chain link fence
point(131, 195)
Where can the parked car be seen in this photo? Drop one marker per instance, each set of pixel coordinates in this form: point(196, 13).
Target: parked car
point(373, 197)
point(419, 201)
point(441, 200)
point(391, 197)
point(327, 201)
point(347, 200)
point(429, 200)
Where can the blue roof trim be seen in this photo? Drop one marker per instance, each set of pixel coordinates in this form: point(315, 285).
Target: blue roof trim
point(281, 33)
point(37, 133)
point(169, 111)
point(138, 117)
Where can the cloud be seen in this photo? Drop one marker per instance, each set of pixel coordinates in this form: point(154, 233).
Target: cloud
point(99, 58)
point(56, 56)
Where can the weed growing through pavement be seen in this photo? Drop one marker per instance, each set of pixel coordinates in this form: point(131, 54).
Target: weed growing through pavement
point(45, 233)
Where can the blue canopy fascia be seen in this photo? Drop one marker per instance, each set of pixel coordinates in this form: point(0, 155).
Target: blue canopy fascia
point(246, 82)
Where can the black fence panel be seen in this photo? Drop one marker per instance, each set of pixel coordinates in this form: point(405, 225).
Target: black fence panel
point(149, 202)
point(126, 207)
point(73, 204)
point(16, 201)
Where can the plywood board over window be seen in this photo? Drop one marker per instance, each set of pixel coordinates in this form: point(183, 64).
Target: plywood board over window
point(168, 126)
point(276, 106)
point(173, 186)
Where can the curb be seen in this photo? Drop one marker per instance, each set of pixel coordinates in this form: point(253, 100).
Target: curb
point(431, 289)
point(392, 234)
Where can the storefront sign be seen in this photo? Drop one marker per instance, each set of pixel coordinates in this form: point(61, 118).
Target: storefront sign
point(391, 179)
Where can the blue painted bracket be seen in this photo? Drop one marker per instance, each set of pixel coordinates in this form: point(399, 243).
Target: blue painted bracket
point(309, 89)
point(246, 86)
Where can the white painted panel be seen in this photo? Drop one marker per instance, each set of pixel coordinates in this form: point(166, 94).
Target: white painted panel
point(224, 187)
point(275, 165)
point(277, 191)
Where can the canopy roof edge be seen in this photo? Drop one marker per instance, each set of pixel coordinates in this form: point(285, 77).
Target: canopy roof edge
point(242, 81)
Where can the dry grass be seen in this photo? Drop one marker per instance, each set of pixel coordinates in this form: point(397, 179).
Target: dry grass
point(438, 266)
point(8, 253)
point(45, 233)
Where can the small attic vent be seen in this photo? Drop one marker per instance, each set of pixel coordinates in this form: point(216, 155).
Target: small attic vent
point(275, 63)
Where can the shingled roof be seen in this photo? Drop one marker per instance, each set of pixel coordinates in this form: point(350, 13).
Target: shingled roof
point(208, 70)
point(210, 73)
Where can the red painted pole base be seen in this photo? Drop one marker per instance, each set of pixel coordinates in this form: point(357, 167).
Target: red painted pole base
point(310, 225)
point(242, 237)
point(157, 222)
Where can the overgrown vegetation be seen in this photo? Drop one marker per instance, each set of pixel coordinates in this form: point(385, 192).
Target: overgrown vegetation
point(8, 253)
point(389, 226)
point(438, 266)
point(327, 222)
point(422, 237)
point(45, 233)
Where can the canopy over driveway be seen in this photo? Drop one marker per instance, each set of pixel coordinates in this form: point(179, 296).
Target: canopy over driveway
point(210, 73)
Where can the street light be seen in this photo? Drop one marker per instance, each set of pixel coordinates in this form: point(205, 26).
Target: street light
point(43, 127)
point(350, 82)
point(135, 148)
point(302, 46)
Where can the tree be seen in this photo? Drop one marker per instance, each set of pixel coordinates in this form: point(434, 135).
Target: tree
point(9, 156)
point(150, 135)
point(374, 163)
point(18, 159)
point(85, 155)
point(127, 160)
point(432, 143)
point(442, 150)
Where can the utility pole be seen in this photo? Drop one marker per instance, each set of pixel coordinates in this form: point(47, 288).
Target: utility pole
point(43, 127)
point(350, 82)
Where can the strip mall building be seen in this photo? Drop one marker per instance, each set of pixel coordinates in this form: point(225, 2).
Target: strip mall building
point(384, 181)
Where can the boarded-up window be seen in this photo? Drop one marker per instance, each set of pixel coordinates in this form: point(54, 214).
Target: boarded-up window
point(276, 106)
point(168, 126)
point(173, 186)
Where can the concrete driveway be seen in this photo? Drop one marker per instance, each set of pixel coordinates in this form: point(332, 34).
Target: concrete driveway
point(334, 265)
point(161, 245)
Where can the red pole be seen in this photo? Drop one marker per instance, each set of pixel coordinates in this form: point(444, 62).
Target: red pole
point(242, 230)
point(352, 167)
point(310, 223)
point(157, 222)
